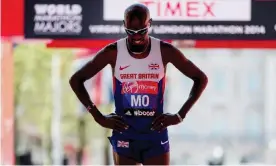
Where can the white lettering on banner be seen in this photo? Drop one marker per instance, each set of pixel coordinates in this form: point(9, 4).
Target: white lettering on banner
point(254, 29)
point(220, 29)
point(229, 29)
point(139, 100)
point(199, 29)
point(58, 9)
point(57, 27)
point(57, 18)
point(94, 29)
point(181, 10)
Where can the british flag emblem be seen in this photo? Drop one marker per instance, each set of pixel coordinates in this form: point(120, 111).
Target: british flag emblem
point(153, 66)
point(122, 144)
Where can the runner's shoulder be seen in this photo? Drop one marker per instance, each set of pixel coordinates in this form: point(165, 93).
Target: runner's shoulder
point(110, 48)
point(166, 45)
point(167, 49)
point(110, 52)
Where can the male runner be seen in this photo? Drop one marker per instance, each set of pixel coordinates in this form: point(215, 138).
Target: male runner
point(138, 64)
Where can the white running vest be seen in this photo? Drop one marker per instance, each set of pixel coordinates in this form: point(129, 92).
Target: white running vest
point(138, 89)
point(128, 68)
point(140, 81)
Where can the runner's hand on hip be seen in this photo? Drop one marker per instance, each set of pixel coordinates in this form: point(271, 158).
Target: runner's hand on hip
point(164, 120)
point(113, 121)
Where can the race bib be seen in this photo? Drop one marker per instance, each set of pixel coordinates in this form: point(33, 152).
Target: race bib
point(140, 94)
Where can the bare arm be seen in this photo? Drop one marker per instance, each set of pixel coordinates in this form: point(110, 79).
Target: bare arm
point(174, 56)
point(103, 57)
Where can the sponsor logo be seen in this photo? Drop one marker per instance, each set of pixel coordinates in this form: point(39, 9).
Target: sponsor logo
point(144, 113)
point(148, 87)
point(128, 113)
point(153, 66)
point(124, 67)
point(122, 144)
point(184, 10)
point(57, 19)
point(162, 143)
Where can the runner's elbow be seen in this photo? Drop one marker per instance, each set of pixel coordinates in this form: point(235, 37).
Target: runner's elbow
point(204, 79)
point(75, 79)
point(201, 78)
